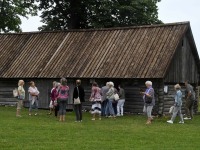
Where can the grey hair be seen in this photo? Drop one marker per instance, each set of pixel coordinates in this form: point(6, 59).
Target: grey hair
point(63, 81)
point(148, 83)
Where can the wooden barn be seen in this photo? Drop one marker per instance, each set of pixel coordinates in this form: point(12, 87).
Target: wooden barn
point(165, 54)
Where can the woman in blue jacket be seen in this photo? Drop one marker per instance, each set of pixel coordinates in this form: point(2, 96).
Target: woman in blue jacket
point(177, 105)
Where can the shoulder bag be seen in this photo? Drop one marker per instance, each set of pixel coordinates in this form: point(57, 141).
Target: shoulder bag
point(77, 100)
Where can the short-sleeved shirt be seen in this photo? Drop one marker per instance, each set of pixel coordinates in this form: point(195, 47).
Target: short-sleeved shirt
point(189, 89)
point(21, 92)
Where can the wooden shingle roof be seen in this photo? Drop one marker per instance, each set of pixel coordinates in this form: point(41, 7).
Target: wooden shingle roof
point(131, 52)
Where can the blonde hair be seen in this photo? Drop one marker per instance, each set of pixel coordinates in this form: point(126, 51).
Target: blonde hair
point(20, 82)
point(177, 86)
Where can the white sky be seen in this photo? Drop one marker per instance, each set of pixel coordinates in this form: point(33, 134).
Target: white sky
point(169, 11)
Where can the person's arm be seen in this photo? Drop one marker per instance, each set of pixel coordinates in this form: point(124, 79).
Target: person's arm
point(189, 92)
point(20, 90)
point(176, 98)
point(150, 94)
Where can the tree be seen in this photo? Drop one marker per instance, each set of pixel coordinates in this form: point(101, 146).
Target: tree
point(10, 12)
point(77, 14)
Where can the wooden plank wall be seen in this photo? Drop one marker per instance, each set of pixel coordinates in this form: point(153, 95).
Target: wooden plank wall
point(183, 66)
point(134, 102)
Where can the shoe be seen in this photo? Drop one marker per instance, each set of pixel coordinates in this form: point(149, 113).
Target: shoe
point(187, 118)
point(99, 118)
point(29, 114)
point(36, 114)
point(118, 115)
point(181, 122)
point(93, 119)
point(170, 121)
point(109, 116)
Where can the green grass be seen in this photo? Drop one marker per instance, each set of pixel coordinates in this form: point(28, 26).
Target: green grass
point(124, 133)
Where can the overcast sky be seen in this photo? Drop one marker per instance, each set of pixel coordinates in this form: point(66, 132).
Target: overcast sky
point(169, 11)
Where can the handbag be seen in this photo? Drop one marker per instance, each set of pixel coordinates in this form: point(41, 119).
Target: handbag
point(15, 93)
point(116, 97)
point(148, 100)
point(77, 100)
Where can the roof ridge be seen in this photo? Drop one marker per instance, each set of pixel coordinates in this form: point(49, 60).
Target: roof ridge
point(102, 29)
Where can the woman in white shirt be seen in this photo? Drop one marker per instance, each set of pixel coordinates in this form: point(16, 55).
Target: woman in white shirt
point(21, 97)
point(33, 97)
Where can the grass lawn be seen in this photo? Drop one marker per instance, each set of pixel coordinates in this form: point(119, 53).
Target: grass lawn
point(124, 133)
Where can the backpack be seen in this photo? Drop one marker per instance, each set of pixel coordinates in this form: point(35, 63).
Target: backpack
point(63, 93)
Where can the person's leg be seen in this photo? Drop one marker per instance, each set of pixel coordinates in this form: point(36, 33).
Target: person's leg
point(56, 110)
point(102, 108)
point(36, 107)
point(111, 107)
point(114, 107)
point(118, 107)
point(107, 109)
point(122, 107)
point(80, 112)
point(149, 110)
point(60, 110)
point(76, 112)
point(187, 105)
point(64, 110)
point(175, 111)
point(30, 107)
point(180, 115)
point(19, 106)
point(191, 108)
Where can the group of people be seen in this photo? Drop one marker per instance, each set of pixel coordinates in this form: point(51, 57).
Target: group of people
point(33, 97)
point(189, 97)
point(104, 102)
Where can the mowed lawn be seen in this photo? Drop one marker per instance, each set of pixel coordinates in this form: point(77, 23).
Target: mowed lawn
point(124, 133)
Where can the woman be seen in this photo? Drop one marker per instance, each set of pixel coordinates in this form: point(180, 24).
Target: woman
point(33, 97)
point(149, 101)
point(95, 98)
point(78, 93)
point(115, 102)
point(110, 97)
point(63, 95)
point(177, 105)
point(120, 104)
point(54, 95)
point(51, 105)
point(21, 97)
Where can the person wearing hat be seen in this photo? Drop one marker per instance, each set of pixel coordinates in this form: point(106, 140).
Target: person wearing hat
point(177, 105)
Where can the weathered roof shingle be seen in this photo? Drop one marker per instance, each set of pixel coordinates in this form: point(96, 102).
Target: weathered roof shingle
point(133, 52)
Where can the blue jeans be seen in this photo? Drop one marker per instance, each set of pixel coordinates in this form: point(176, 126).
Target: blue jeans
point(34, 105)
point(109, 108)
point(62, 107)
point(103, 107)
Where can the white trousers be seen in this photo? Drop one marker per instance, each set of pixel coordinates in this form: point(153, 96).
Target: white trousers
point(120, 107)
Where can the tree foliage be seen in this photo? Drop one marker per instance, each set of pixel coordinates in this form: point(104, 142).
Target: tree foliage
point(76, 14)
point(10, 12)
